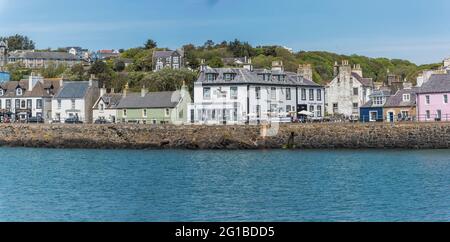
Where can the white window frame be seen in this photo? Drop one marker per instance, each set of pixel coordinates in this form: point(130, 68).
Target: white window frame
point(406, 97)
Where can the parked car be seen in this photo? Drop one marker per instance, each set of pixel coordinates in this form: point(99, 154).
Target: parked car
point(36, 120)
point(73, 120)
point(102, 121)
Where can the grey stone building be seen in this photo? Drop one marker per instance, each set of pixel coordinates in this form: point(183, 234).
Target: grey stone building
point(167, 59)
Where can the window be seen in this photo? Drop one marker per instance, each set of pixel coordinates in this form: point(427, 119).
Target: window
point(0, 103)
point(207, 93)
point(102, 106)
point(39, 104)
point(228, 76)
point(303, 94)
point(273, 93)
point(335, 108)
point(211, 77)
point(405, 114)
point(378, 101)
point(59, 104)
point(8, 104)
point(2, 92)
point(355, 106)
point(19, 91)
point(124, 112)
point(445, 98)
point(144, 113)
point(311, 94)
point(273, 108)
point(312, 110)
point(29, 104)
point(428, 113)
point(167, 112)
point(258, 92)
point(427, 99)
point(319, 111)
point(73, 104)
point(234, 93)
point(288, 94)
point(319, 95)
point(406, 97)
point(355, 91)
point(23, 104)
point(288, 108)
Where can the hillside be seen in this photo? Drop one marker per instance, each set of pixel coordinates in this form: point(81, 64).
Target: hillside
point(321, 61)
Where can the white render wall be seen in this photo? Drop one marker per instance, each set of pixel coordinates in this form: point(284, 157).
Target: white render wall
point(202, 107)
point(34, 110)
point(67, 110)
point(342, 93)
point(108, 114)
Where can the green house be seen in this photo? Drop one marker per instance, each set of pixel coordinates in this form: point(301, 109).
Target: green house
point(154, 107)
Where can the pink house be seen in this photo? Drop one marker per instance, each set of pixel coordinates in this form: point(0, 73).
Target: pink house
point(433, 99)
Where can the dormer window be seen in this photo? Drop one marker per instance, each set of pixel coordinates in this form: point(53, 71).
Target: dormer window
point(19, 91)
point(228, 76)
point(406, 97)
point(2, 92)
point(280, 78)
point(211, 77)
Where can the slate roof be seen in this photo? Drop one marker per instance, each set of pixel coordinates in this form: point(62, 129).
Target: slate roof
point(438, 83)
point(44, 55)
point(244, 76)
point(73, 90)
point(164, 54)
point(39, 90)
point(367, 82)
point(377, 93)
point(151, 100)
point(111, 100)
point(397, 99)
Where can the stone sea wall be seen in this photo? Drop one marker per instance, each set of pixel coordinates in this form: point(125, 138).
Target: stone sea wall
point(295, 136)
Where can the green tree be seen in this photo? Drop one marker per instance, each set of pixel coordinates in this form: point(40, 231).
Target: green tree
point(150, 44)
point(19, 42)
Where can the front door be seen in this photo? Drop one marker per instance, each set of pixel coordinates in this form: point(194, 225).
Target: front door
point(391, 117)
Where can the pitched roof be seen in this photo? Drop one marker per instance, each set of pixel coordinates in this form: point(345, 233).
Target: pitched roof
point(397, 99)
point(164, 53)
point(438, 83)
point(244, 76)
point(111, 100)
point(150, 100)
point(44, 55)
point(367, 82)
point(39, 89)
point(73, 90)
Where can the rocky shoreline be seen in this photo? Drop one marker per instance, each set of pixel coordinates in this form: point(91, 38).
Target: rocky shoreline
point(292, 136)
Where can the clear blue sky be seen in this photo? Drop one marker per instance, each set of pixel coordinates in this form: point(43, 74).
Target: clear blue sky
point(417, 30)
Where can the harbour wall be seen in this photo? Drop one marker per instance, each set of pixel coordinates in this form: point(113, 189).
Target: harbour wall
point(293, 136)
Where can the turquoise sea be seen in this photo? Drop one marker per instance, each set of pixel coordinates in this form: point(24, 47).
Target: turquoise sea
point(129, 185)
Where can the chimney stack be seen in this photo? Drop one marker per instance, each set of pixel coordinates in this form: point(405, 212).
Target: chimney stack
point(305, 71)
point(102, 91)
point(125, 90)
point(277, 66)
point(91, 80)
point(248, 64)
point(143, 91)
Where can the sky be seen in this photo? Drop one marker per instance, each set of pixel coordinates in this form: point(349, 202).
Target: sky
point(416, 30)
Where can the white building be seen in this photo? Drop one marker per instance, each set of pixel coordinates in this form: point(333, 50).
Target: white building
point(245, 95)
point(20, 101)
point(75, 100)
point(348, 91)
point(105, 108)
point(425, 76)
